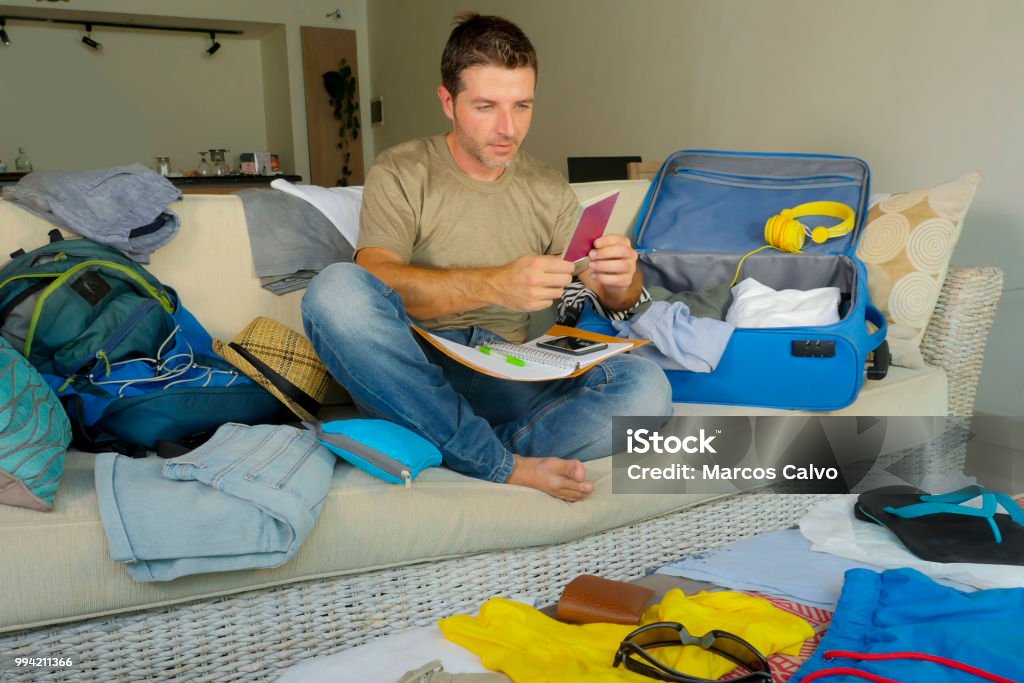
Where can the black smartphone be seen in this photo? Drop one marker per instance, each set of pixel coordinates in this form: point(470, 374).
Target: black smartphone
point(572, 345)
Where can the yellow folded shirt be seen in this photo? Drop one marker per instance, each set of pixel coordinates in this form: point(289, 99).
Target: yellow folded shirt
point(529, 646)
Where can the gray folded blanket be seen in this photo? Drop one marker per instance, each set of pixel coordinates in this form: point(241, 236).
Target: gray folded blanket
point(291, 239)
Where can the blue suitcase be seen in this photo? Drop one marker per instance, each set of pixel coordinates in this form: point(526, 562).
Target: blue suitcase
point(703, 212)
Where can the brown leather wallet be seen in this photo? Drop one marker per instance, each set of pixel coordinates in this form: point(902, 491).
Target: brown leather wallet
point(588, 599)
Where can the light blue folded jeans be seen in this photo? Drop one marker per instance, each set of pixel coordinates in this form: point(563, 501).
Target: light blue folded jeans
point(245, 499)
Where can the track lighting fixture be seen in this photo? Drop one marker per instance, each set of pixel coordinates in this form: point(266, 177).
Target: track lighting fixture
point(214, 46)
point(87, 38)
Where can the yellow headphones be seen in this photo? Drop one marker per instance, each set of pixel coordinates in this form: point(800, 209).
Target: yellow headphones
point(785, 232)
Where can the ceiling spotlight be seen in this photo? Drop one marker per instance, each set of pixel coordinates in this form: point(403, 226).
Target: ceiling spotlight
point(87, 38)
point(3, 32)
point(214, 44)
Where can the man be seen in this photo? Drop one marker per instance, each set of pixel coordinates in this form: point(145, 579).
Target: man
point(461, 233)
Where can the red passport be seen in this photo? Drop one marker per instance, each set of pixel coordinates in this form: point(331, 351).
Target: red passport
point(591, 223)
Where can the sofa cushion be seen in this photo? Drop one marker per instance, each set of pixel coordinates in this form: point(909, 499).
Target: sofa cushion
point(443, 514)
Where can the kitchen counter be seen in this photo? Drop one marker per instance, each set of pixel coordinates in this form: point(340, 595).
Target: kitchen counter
point(199, 184)
point(10, 178)
point(227, 184)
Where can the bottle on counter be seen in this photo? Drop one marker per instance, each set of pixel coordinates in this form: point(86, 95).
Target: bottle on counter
point(163, 166)
point(219, 162)
point(22, 164)
point(204, 168)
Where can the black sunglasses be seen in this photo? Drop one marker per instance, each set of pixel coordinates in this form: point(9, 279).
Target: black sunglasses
point(633, 653)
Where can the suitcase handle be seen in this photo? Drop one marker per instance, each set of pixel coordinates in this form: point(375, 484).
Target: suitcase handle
point(874, 315)
point(880, 366)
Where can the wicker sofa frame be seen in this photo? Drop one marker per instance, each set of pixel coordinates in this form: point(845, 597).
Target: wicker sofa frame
point(253, 636)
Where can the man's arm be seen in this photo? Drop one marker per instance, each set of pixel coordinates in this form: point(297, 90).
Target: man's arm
point(530, 283)
point(613, 274)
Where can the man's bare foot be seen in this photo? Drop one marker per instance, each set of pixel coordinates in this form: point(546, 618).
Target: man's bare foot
point(565, 479)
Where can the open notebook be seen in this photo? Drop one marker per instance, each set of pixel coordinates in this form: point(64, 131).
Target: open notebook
point(533, 364)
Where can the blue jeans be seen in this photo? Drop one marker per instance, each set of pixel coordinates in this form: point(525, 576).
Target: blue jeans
point(246, 499)
point(361, 332)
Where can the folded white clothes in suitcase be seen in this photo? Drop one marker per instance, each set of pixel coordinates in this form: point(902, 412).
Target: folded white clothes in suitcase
point(758, 305)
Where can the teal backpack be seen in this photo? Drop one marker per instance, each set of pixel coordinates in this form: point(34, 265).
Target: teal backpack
point(34, 434)
point(132, 367)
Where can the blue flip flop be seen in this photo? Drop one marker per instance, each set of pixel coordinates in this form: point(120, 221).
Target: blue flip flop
point(939, 528)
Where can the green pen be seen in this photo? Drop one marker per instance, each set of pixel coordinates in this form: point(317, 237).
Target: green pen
point(513, 360)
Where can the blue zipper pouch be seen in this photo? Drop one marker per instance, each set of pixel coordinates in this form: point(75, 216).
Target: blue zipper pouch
point(384, 449)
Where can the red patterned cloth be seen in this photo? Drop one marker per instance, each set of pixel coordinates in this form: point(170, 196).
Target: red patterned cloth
point(784, 666)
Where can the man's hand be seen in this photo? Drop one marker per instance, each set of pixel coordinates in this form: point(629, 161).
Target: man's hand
point(532, 283)
point(613, 262)
point(612, 273)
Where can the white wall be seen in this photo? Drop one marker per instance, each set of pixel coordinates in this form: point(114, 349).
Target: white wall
point(158, 93)
point(143, 94)
point(924, 90)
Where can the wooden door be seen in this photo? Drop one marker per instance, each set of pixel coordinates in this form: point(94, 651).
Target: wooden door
point(323, 50)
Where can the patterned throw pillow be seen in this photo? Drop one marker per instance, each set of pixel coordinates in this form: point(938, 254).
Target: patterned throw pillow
point(906, 246)
point(34, 434)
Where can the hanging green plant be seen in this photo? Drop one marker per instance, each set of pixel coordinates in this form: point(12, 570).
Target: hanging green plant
point(341, 88)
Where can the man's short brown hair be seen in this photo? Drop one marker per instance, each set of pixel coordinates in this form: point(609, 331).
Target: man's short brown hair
point(479, 40)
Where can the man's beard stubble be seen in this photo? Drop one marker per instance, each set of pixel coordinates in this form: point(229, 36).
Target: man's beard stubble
point(477, 152)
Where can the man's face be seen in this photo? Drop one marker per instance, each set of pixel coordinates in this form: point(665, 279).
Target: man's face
point(490, 117)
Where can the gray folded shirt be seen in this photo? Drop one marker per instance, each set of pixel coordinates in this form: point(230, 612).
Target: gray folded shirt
point(291, 239)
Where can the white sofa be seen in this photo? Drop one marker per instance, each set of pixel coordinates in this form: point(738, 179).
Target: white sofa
point(383, 558)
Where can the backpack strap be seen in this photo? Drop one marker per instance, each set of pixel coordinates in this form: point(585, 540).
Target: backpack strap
point(92, 440)
point(174, 448)
point(54, 235)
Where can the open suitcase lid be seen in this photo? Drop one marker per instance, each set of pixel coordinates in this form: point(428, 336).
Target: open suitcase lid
point(718, 202)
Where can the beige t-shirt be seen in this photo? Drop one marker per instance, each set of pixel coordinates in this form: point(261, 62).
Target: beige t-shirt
point(419, 204)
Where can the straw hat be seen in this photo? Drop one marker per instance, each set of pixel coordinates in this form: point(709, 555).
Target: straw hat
point(280, 360)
